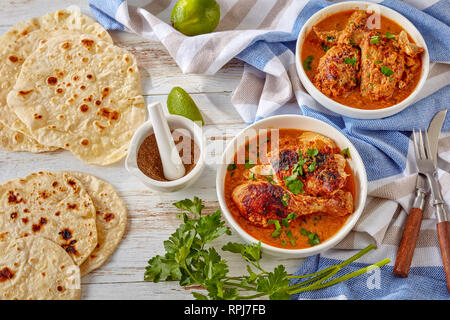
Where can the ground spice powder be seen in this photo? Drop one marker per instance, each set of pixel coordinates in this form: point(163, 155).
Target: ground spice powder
point(149, 160)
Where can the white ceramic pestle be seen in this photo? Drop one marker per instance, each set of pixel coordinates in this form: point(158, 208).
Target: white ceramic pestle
point(173, 167)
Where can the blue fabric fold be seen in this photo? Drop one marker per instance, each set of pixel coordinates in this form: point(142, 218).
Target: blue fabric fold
point(422, 283)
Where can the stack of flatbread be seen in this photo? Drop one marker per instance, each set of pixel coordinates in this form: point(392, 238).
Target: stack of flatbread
point(64, 84)
point(54, 228)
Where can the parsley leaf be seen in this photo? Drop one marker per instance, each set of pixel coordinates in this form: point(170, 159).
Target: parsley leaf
point(386, 71)
point(325, 47)
point(231, 166)
point(312, 152)
point(194, 207)
point(294, 185)
point(351, 61)
point(307, 62)
point(375, 39)
point(389, 35)
point(274, 284)
point(313, 238)
point(277, 231)
point(290, 237)
point(330, 38)
point(312, 167)
point(346, 152)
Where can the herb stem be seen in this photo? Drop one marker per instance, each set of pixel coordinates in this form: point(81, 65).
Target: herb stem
point(342, 278)
point(314, 279)
point(340, 265)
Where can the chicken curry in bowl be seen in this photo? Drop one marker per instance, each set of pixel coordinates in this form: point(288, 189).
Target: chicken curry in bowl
point(360, 65)
point(293, 190)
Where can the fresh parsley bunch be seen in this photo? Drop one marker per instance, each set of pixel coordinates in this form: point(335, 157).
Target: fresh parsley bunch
point(189, 261)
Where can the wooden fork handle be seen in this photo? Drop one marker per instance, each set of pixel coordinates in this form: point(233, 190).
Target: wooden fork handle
point(443, 229)
point(408, 243)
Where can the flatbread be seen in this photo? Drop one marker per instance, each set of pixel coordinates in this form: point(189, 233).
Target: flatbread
point(54, 206)
point(111, 219)
point(81, 94)
point(17, 44)
point(13, 140)
point(34, 268)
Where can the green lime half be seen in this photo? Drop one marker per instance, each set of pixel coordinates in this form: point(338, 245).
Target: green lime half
point(179, 102)
point(194, 17)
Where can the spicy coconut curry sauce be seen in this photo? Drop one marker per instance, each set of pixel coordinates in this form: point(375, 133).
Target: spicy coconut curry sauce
point(360, 64)
point(294, 196)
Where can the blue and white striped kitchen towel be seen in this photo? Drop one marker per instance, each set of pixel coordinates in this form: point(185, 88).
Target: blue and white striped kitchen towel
point(262, 33)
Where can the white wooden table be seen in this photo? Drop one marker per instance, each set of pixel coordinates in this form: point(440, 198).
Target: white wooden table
point(152, 217)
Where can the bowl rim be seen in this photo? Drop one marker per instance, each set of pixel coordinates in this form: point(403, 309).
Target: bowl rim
point(345, 110)
point(327, 244)
point(145, 130)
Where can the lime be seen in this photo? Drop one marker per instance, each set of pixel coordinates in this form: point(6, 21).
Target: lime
point(179, 102)
point(193, 17)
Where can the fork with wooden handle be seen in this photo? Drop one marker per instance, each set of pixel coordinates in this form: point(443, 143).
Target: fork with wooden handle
point(411, 231)
point(427, 167)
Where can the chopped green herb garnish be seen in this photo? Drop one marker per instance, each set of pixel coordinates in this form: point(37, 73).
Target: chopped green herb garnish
point(270, 179)
point(375, 39)
point(277, 231)
point(285, 199)
point(291, 216)
point(298, 168)
point(312, 167)
point(294, 185)
point(290, 237)
point(371, 85)
point(378, 61)
point(286, 168)
point(346, 152)
point(389, 35)
point(386, 71)
point(231, 167)
point(307, 62)
point(325, 47)
point(330, 38)
point(351, 61)
point(252, 176)
point(249, 164)
point(313, 238)
point(353, 43)
point(312, 152)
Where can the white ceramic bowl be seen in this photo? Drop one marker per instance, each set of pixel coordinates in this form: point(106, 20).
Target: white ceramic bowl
point(144, 131)
point(308, 124)
point(343, 109)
